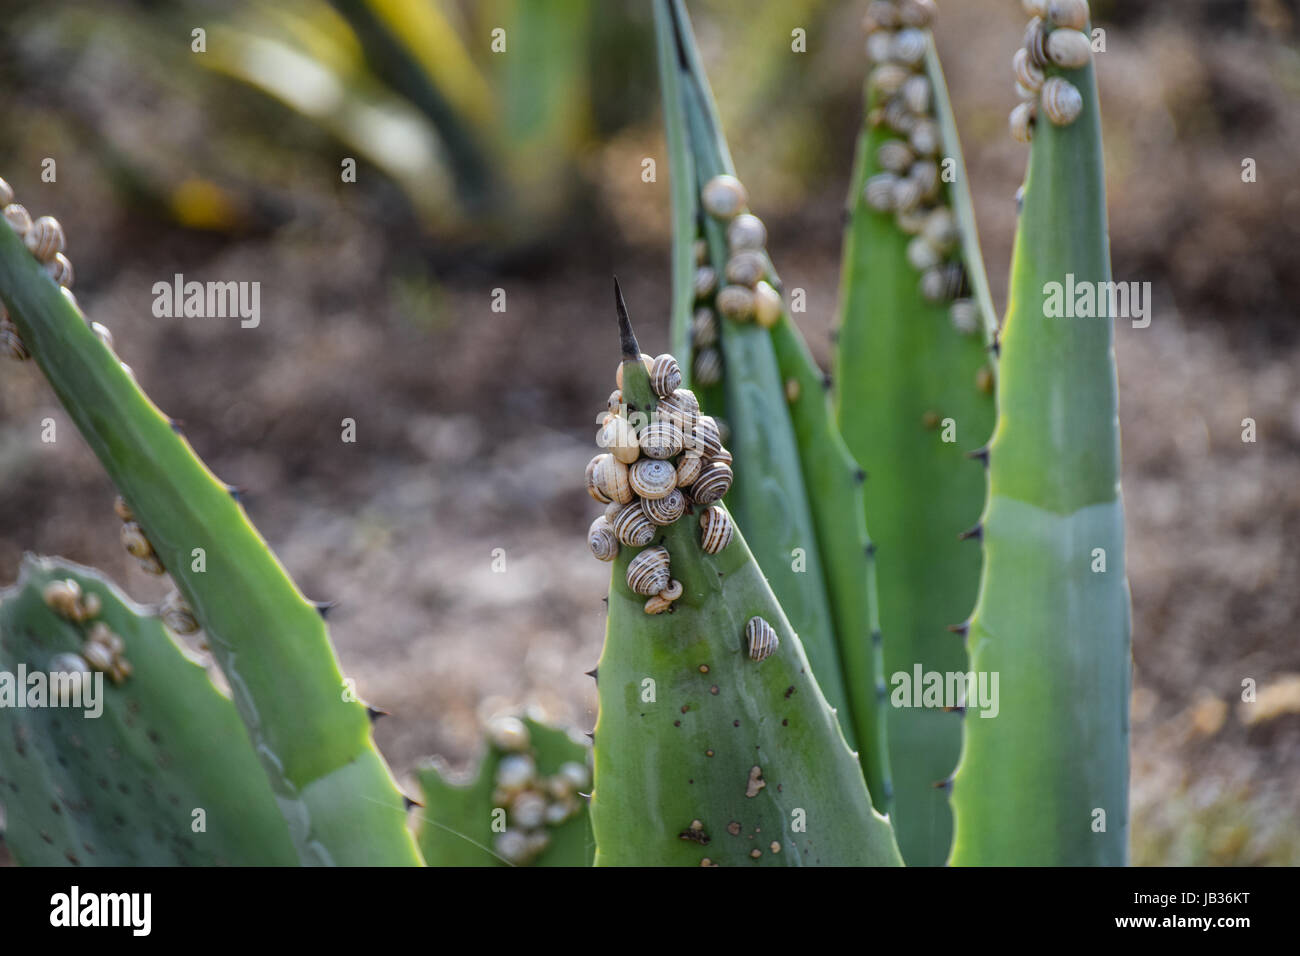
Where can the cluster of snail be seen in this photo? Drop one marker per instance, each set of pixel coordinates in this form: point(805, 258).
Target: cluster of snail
point(742, 293)
point(533, 803)
point(656, 468)
point(102, 650)
point(1054, 38)
point(175, 613)
point(45, 239)
point(910, 185)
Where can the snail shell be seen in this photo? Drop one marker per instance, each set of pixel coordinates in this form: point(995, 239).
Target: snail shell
point(1022, 122)
point(6, 194)
point(681, 408)
point(177, 614)
point(714, 482)
point(736, 302)
point(888, 78)
point(612, 509)
point(1072, 14)
point(102, 634)
point(896, 115)
point(708, 367)
point(134, 540)
point(11, 343)
point(665, 375)
point(615, 403)
point(664, 511)
point(515, 772)
point(1035, 8)
point(1027, 74)
point(942, 283)
point(908, 193)
point(661, 439)
point(60, 270)
point(1062, 101)
point(723, 197)
point(67, 663)
point(1036, 43)
point(508, 733)
point(704, 328)
point(619, 437)
point(965, 316)
point(746, 232)
point(689, 467)
point(646, 360)
point(19, 219)
point(657, 604)
point(652, 477)
point(45, 238)
point(706, 281)
point(151, 565)
point(716, 529)
point(1069, 49)
point(879, 47)
point(674, 591)
point(884, 14)
point(746, 267)
point(701, 250)
point(894, 156)
point(768, 306)
point(98, 656)
point(911, 221)
point(593, 486)
point(62, 597)
point(632, 527)
point(925, 173)
point(926, 138)
point(611, 478)
point(908, 47)
point(704, 438)
point(602, 540)
point(761, 638)
point(88, 607)
point(122, 509)
point(649, 573)
point(921, 255)
point(723, 456)
point(915, 93)
point(879, 192)
point(940, 230)
point(917, 13)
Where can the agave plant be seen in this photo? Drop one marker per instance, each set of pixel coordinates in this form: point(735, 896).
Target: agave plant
point(755, 627)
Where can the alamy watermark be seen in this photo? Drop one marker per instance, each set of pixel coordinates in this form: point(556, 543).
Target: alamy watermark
point(75, 690)
point(968, 690)
point(1098, 300)
point(209, 300)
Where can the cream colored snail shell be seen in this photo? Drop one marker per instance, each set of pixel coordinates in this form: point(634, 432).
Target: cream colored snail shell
point(67, 663)
point(689, 467)
point(701, 251)
point(649, 572)
point(6, 194)
point(746, 267)
point(11, 343)
point(917, 13)
point(612, 510)
point(652, 477)
point(1036, 43)
point(646, 360)
point(768, 307)
point(611, 478)
point(657, 604)
point(1062, 101)
point(895, 156)
point(60, 270)
point(940, 230)
point(88, 607)
point(45, 238)
point(19, 219)
point(706, 281)
point(908, 194)
point(746, 232)
point(1072, 14)
point(879, 192)
point(62, 597)
point(98, 656)
point(964, 314)
point(593, 486)
point(1022, 123)
point(151, 565)
point(661, 439)
point(880, 46)
point(632, 527)
point(888, 78)
point(620, 439)
point(120, 670)
point(908, 46)
point(122, 509)
point(1069, 49)
point(723, 197)
point(884, 14)
point(915, 93)
point(942, 283)
point(713, 483)
point(674, 590)
point(925, 139)
point(897, 116)
point(708, 367)
point(716, 529)
point(736, 302)
point(911, 222)
point(665, 375)
point(921, 255)
point(925, 173)
point(1035, 8)
point(681, 408)
point(602, 540)
point(761, 639)
point(704, 328)
point(664, 511)
point(1027, 74)
point(177, 614)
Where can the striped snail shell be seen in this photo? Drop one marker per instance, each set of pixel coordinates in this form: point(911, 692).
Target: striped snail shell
point(657, 604)
point(703, 438)
point(122, 509)
point(681, 408)
point(649, 572)
point(746, 232)
point(6, 194)
point(701, 250)
point(746, 267)
point(661, 439)
point(907, 194)
point(1036, 43)
point(879, 192)
point(942, 283)
point(653, 477)
point(602, 540)
point(898, 117)
point(894, 156)
point(887, 78)
point(60, 270)
point(151, 565)
point(761, 639)
point(713, 483)
point(689, 467)
point(965, 316)
point(1027, 74)
point(619, 437)
point(926, 138)
point(716, 529)
point(62, 597)
point(723, 456)
point(908, 46)
point(884, 14)
point(98, 656)
point(593, 486)
point(1024, 92)
point(88, 607)
point(612, 509)
point(940, 230)
point(1069, 49)
point(1062, 101)
point(915, 93)
point(768, 306)
point(19, 219)
point(611, 478)
point(1072, 14)
point(665, 375)
point(1022, 122)
point(917, 13)
point(664, 511)
point(911, 221)
point(704, 328)
point(135, 542)
point(11, 343)
point(921, 255)
point(45, 238)
point(736, 302)
point(925, 173)
point(723, 197)
point(632, 527)
point(646, 360)
point(880, 46)
point(708, 367)
point(706, 281)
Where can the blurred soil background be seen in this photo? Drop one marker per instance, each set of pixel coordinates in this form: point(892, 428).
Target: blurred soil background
point(522, 171)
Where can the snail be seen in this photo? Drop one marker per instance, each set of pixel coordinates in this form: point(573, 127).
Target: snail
point(723, 456)
point(602, 540)
point(907, 194)
point(940, 230)
point(911, 221)
point(746, 267)
point(768, 307)
point(11, 343)
point(134, 540)
point(60, 270)
point(917, 13)
point(593, 486)
point(688, 468)
point(908, 46)
point(1036, 43)
point(736, 302)
point(674, 590)
point(508, 733)
point(648, 572)
point(45, 238)
point(921, 255)
point(881, 15)
point(897, 116)
point(925, 139)
point(515, 772)
point(63, 597)
point(706, 281)
point(575, 774)
point(915, 93)
point(612, 479)
point(664, 511)
point(879, 192)
point(942, 283)
point(665, 375)
point(619, 437)
point(880, 47)
point(1062, 101)
point(895, 156)
point(612, 509)
point(761, 638)
point(964, 314)
point(632, 527)
point(1069, 49)
point(98, 656)
point(888, 78)
point(681, 408)
point(708, 367)
point(704, 328)
point(701, 251)
point(67, 663)
point(746, 232)
point(1035, 8)
point(723, 197)
point(925, 173)
point(715, 529)
point(1072, 14)
point(1027, 74)
point(652, 477)
point(177, 615)
point(646, 360)
point(19, 219)
point(528, 810)
point(615, 403)
point(657, 604)
point(714, 482)
point(511, 846)
point(1022, 122)
point(661, 439)
point(705, 438)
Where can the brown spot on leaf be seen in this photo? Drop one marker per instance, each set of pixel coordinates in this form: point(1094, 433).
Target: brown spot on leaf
point(756, 781)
